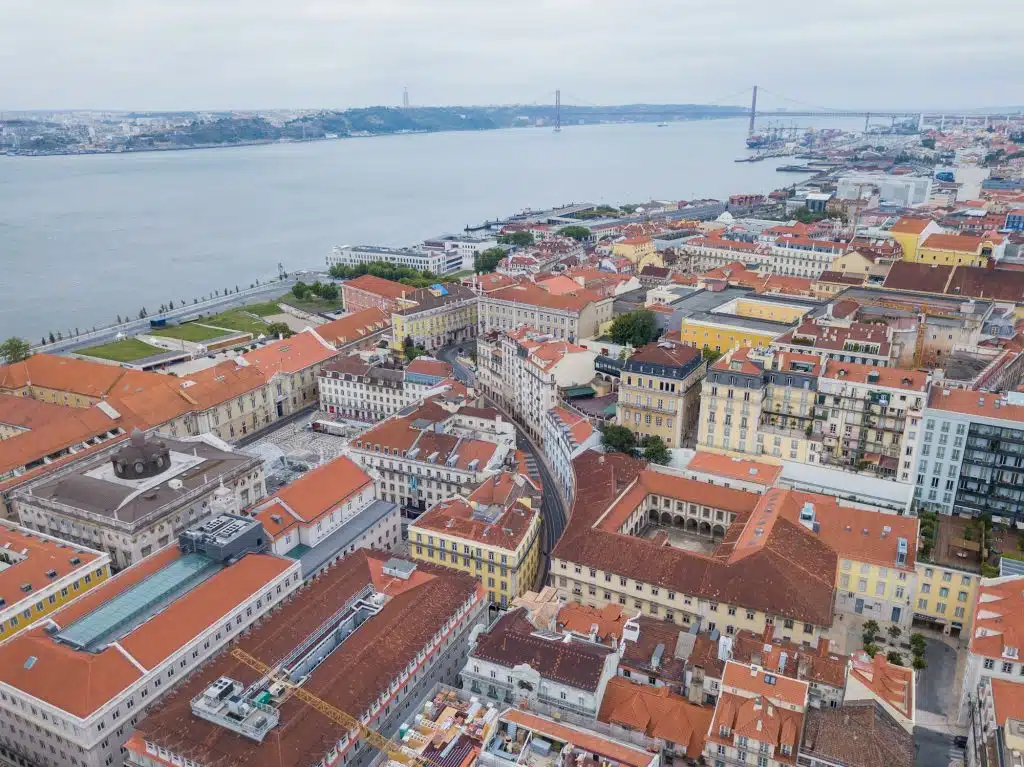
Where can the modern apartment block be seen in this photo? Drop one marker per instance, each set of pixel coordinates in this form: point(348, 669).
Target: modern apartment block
point(971, 459)
point(78, 682)
point(134, 497)
point(391, 629)
point(659, 392)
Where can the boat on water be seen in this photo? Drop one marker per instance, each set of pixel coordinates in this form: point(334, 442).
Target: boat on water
point(662, 125)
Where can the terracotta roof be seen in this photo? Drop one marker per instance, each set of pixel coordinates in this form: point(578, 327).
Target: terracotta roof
point(975, 403)
point(291, 355)
point(959, 243)
point(894, 378)
point(1007, 700)
point(377, 285)
point(28, 413)
point(74, 428)
point(351, 678)
point(580, 428)
point(791, 572)
point(910, 225)
point(354, 326)
point(855, 534)
point(738, 361)
point(512, 640)
point(657, 713)
point(475, 519)
point(580, 619)
point(794, 660)
point(999, 617)
point(753, 714)
point(49, 371)
point(584, 739)
point(759, 682)
point(888, 682)
point(316, 493)
point(533, 295)
point(835, 338)
point(429, 367)
point(31, 559)
point(857, 735)
point(80, 682)
point(735, 468)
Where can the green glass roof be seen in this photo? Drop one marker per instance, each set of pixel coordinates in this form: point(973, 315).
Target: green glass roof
point(136, 604)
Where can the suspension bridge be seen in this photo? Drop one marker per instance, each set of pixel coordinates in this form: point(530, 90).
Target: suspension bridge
point(571, 108)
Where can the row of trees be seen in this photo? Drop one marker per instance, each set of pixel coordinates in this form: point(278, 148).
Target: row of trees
point(385, 270)
point(486, 261)
point(327, 291)
point(620, 439)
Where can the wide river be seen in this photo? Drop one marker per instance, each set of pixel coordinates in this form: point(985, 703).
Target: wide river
point(85, 238)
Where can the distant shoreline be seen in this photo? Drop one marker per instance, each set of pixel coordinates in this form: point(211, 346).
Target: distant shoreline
point(266, 142)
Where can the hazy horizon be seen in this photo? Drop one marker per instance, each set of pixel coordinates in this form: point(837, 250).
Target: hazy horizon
point(223, 55)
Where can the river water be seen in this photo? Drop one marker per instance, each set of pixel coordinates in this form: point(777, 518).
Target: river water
point(85, 238)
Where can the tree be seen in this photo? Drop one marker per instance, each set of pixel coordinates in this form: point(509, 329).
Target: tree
point(710, 354)
point(618, 439)
point(519, 239)
point(634, 328)
point(576, 232)
point(119, 319)
point(894, 658)
point(871, 649)
point(329, 291)
point(928, 143)
point(871, 627)
point(894, 632)
point(300, 290)
point(918, 643)
point(15, 349)
point(919, 663)
point(279, 329)
point(655, 450)
point(486, 261)
point(412, 352)
point(52, 337)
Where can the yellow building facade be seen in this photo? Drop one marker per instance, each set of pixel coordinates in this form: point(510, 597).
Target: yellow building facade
point(955, 250)
point(494, 535)
point(946, 597)
point(640, 251)
point(723, 336)
point(433, 319)
point(56, 572)
point(659, 391)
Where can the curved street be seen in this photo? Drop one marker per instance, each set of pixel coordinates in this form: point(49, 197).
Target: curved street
point(552, 505)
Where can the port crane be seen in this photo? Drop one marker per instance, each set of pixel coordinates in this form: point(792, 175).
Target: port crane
point(393, 750)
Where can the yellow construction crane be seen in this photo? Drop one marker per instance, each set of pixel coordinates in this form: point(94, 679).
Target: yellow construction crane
point(394, 750)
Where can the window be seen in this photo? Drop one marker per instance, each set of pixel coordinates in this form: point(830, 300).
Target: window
point(1007, 667)
point(989, 664)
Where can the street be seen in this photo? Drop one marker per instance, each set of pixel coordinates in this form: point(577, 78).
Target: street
point(552, 507)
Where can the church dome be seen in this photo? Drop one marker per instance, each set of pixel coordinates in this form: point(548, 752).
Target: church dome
point(141, 458)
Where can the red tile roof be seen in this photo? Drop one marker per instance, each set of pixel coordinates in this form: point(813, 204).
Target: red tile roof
point(354, 326)
point(80, 682)
point(976, 403)
point(910, 225)
point(657, 713)
point(33, 557)
point(291, 355)
point(351, 678)
point(894, 378)
point(378, 286)
point(999, 617)
point(735, 468)
point(888, 682)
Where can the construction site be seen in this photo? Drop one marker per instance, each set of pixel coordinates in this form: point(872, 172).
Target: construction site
point(327, 678)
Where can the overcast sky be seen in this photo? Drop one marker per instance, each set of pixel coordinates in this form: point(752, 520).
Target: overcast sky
point(206, 54)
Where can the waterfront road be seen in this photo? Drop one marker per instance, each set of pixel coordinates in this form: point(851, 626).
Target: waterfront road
point(552, 505)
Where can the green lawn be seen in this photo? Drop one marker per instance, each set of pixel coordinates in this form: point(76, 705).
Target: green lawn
point(190, 331)
point(237, 319)
point(311, 304)
point(125, 350)
point(265, 309)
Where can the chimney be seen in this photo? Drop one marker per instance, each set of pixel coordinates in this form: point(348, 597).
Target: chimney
point(823, 644)
point(803, 666)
